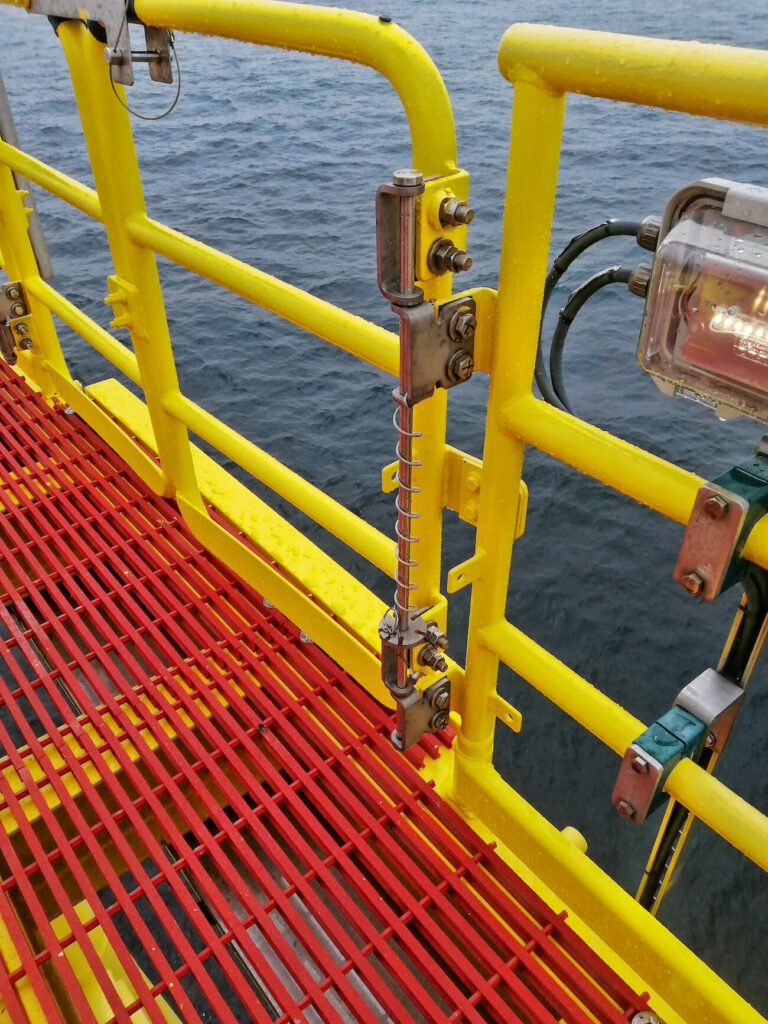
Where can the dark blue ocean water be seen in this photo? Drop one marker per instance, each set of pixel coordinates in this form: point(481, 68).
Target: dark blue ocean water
point(275, 157)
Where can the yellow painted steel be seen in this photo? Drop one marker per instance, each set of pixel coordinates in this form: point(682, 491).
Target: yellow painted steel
point(352, 333)
point(138, 302)
point(336, 611)
point(53, 181)
point(725, 82)
point(20, 265)
point(693, 992)
point(359, 38)
point(326, 511)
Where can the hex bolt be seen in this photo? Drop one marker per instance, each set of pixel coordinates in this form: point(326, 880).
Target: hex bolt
point(435, 636)
point(455, 211)
point(25, 344)
point(20, 328)
point(462, 324)
point(439, 720)
point(305, 639)
point(716, 507)
point(692, 582)
point(625, 809)
point(18, 309)
point(711, 739)
point(113, 56)
point(432, 657)
point(441, 701)
point(461, 366)
point(444, 255)
point(13, 291)
point(640, 766)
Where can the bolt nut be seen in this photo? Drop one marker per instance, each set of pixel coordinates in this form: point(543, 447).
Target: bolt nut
point(18, 309)
point(461, 366)
point(25, 344)
point(439, 720)
point(455, 211)
point(441, 701)
point(444, 255)
point(20, 328)
point(432, 658)
point(716, 507)
point(13, 291)
point(625, 809)
point(435, 636)
point(692, 582)
point(462, 324)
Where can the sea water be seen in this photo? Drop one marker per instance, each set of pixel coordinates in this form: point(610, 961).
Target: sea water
point(275, 157)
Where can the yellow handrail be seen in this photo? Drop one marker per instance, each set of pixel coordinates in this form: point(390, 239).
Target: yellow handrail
point(359, 38)
point(726, 82)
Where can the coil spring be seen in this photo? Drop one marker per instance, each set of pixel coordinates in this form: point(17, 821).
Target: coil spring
point(404, 564)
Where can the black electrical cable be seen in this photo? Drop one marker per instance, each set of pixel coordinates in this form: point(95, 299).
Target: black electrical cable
point(577, 298)
point(577, 245)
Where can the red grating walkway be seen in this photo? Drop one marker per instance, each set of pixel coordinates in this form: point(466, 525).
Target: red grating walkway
point(203, 819)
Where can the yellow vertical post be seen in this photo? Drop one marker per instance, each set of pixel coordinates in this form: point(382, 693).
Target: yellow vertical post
point(134, 290)
point(534, 152)
point(21, 265)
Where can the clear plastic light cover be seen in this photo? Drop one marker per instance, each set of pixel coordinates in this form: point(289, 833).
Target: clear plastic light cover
point(705, 332)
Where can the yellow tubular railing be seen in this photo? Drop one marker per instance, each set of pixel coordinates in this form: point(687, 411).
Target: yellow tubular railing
point(341, 615)
point(543, 63)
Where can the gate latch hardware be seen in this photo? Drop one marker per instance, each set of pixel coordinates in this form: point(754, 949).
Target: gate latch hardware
point(13, 326)
point(639, 787)
point(112, 17)
point(723, 515)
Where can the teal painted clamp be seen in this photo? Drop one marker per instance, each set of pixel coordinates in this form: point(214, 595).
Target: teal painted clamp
point(750, 481)
point(639, 788)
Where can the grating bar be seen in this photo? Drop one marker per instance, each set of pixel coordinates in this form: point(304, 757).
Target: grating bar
point(185, 783)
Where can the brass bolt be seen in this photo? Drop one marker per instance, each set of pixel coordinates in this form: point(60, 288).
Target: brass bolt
point(692, 582)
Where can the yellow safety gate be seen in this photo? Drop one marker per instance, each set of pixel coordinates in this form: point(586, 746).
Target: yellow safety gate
point(335, 609)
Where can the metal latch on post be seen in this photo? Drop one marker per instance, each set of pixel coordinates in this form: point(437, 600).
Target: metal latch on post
point(113, 17)
point(436, 350)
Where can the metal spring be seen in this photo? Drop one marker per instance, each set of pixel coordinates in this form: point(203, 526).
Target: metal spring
point(405, 490)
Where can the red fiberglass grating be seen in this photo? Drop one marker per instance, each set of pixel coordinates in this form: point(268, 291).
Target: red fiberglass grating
point(203, 817)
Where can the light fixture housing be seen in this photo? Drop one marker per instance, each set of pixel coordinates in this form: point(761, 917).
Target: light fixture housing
point(705, 329)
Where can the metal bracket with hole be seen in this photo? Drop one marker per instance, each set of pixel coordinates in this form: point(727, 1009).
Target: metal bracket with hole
point(442, 345)
point(419, 713)
point(113, 18)
point(723, 515)
point(639, 787)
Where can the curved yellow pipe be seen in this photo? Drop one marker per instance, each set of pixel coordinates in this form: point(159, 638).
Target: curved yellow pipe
point(333, 32)
point(698, 78)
